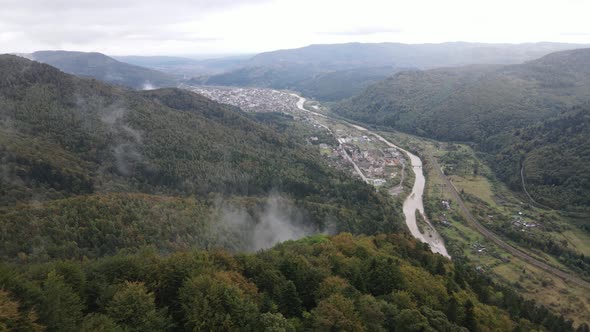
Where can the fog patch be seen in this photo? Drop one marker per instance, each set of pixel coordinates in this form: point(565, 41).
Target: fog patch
point(251, 229)
point(125, 155)
point(126, 151)
point(148, 86)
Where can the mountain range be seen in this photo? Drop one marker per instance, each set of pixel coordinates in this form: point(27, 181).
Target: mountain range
point(186, 67)
point(318, 70)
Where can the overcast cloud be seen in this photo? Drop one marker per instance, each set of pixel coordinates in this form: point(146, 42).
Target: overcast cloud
point(121, 27)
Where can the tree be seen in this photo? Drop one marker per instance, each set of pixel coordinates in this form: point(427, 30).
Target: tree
point(289, 301)
point(96, 322)
point(453, 309)
point(212, 304)
point(470, 321)
point(438, 320)
point(269, 322)
point(331, 285)
point(370, 312)
point(336, 313)
point(402, 299)
point(384, 276)
point(440, 267)
point(134, 307)
point(72, 274)
point(61, 309)
point(409, 320)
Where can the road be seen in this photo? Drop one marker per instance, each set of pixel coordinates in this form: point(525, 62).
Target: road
point(501, 243)
point(527, 192)
point(413, 203)
point(356, 167)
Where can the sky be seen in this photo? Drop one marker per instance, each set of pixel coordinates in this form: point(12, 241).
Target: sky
point(207, 27)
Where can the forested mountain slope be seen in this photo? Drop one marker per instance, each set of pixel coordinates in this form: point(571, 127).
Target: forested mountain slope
point(62, 137)
point(106, 69)
point(520, 114)
point(340, 283)
point(555, 154)
point(474, 102)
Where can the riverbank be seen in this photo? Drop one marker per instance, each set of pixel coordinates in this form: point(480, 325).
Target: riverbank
point(414, 201)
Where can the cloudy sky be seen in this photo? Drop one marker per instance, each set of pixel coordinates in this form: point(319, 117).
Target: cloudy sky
point(121, 27)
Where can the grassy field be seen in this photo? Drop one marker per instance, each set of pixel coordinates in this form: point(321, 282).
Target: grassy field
point(578, 239)
point(567, 299)
point(475, 185)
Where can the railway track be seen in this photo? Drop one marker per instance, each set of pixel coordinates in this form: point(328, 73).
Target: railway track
point(501, 243)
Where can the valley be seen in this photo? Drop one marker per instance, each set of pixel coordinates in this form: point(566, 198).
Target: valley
point(354, 152)
point(496, 229)
point(172, 199)
point(294, 166)
point(361, 152)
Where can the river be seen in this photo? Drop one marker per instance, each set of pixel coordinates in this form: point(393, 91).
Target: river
point(414, 201)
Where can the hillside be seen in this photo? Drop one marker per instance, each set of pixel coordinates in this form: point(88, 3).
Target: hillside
point(474, 102)
point(339, 283)
point(351, 55)
point(555, 154)
point(317, 70)
point(182, 67)
point(68, 142)
point(315, 83)
point(106, 69)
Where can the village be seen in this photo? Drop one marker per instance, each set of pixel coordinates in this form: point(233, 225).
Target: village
point(382, 166)
point(350, 151)
point(249, 99)
point(361, 156)
point(519, 222)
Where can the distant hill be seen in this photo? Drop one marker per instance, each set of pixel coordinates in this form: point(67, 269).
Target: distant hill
point(106, 69)
point(474, 102)
point(184, 67)
point(318, 84)
point(341, 84)
point(317, 70)
point(352, 55)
